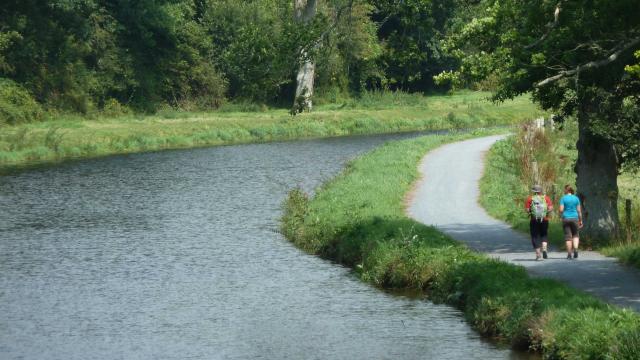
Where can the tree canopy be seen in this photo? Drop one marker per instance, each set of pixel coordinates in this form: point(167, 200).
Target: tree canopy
point(567, 54)
point(85, 55)
point(577, 59)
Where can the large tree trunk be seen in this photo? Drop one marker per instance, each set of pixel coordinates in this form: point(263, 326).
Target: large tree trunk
point(597, 172)
point(304, 11)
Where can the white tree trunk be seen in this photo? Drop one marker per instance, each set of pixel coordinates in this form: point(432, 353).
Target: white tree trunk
point(304, 11)
point(597, 173)
point(304, 85)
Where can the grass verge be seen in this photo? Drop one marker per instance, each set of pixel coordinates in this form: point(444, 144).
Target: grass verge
point(358, 219)
point(74, 137)
point(508, 178)
point(627, 246)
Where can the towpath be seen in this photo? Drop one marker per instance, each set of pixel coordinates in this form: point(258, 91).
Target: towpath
point(447, 197)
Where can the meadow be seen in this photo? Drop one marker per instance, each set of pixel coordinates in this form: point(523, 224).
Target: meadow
point(63, 137)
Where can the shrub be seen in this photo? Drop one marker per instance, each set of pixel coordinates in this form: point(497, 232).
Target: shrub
point(113, 108)
point(16, 104)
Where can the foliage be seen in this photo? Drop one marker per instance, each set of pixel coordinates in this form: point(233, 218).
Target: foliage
point(358, 219)
point(85, 56)
point(628, 253)
point(16, 104)
point(348, 55)
point(562, 53)
point(76, 55)
point(634, 69)
point(410, 32)
point(6, 40)
point(251, 43)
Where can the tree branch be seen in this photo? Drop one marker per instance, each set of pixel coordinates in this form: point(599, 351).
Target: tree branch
point(315, 44)
point(591, 64)
point(551, 26)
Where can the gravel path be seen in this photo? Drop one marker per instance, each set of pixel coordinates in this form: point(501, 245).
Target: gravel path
point(447, 197)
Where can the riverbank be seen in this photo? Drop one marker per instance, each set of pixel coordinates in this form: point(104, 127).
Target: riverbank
point(68, 137)
point(505, 185)
point(358, 219)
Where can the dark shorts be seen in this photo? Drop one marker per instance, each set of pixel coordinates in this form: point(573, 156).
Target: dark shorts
point(538, 230)
point(570, 227)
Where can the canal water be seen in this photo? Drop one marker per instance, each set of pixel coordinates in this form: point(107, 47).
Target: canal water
point(175, 255)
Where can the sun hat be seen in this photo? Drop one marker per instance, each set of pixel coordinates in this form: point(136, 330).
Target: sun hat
point(536, 188)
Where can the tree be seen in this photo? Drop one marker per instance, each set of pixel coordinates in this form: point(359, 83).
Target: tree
point(410, 31)
point(304, 12)
point(254, 44)
point(169, 50)
point(79, 55)
point(571, 55)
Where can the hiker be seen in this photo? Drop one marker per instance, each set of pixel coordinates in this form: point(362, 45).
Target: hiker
point(538, 207)
point(571, 213)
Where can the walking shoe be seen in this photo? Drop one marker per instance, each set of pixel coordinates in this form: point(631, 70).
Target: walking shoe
point(544, 254)
point(538, 258)
point(569, 257)
point(575, 254)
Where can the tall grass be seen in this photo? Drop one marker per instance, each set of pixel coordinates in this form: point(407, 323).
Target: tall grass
point(358, 219)
point(627, 246)
point(515, 164)
point(68, 137)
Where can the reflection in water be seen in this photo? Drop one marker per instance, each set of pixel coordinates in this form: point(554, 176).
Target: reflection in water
point(174, 255)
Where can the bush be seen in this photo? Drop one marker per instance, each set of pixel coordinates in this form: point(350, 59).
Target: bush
point(113, 108)
point(16, 104)
point(384, 99)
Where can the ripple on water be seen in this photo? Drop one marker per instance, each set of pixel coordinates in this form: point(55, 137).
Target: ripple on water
point(172, 255)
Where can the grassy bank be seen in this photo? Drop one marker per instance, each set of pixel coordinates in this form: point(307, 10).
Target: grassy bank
point(74, 137)
point(627, 248)
point(358, 219)
point(507, 180)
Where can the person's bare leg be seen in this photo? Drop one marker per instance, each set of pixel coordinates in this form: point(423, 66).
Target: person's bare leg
point(576, 242)
point(544, 249)
point(569, 245)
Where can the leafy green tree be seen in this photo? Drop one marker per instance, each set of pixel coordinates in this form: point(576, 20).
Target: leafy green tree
point(6, 40)
point(342, 44)
point(77, 55)
point(170, 52)
point(47, 55)
point(254, 44)
point(347, 61)
point(571, 55)
point(410, 32)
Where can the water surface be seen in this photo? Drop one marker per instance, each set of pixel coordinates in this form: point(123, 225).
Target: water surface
point(174, 255)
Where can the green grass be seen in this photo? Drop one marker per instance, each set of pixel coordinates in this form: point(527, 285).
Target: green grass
point(627, 248)
point(506, 182)
point(358, 219)
point(69, 137)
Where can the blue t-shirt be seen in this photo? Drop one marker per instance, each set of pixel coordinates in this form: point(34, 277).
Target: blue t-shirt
point(570, 203)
